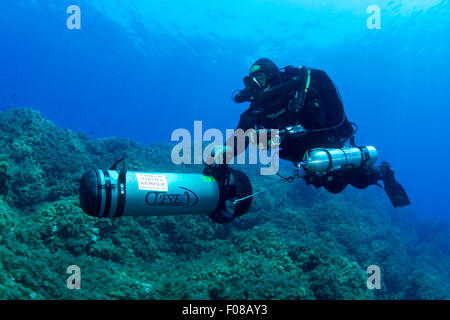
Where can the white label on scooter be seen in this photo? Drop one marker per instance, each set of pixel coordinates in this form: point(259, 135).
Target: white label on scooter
point(152, 182)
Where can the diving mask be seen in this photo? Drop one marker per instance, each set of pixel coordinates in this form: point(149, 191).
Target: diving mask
point(258, 81)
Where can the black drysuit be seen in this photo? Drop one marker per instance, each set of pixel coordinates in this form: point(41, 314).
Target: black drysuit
point(322, 116)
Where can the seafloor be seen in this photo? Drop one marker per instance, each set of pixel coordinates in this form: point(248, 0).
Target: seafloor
point(295, 243)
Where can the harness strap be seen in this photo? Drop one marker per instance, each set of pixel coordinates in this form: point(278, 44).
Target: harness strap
point(352, 137)
point(297, 103)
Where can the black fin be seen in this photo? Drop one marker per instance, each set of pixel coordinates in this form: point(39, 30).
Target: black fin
point(396, 194)
point(393, 189)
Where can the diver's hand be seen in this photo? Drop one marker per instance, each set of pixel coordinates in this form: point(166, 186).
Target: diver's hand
point(220, 155)
point(246, 95)
point(292, 132)
point(295, 130)
point(286, 135)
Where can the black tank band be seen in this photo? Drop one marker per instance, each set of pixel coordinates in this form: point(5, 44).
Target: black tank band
point(99, 194)
point(108, 193)
point(121, 189)
point(330, 160)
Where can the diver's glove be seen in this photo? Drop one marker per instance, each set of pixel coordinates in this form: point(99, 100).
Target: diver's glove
point(221, 154)
point(244, 95)
point(264, 139)
point(294, 130)
point(292, 133)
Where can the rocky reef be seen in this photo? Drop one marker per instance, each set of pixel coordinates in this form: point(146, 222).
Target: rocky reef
point(295, 243)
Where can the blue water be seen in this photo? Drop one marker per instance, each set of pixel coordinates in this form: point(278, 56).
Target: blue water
point(142, 68)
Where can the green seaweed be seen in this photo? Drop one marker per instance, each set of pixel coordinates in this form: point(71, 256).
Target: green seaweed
point(295, 243)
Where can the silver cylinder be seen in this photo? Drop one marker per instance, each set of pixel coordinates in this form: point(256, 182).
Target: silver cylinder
point(147, 194)
point(323, 160)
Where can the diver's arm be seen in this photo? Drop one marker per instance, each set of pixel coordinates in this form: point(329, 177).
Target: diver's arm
point(246, 122)
point(231, 148)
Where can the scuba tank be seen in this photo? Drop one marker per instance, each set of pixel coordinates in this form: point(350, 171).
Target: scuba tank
point(321, 161)
point(112, 193)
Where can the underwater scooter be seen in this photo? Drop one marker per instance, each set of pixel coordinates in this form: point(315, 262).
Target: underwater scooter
point(116, 193)
point(220, 191)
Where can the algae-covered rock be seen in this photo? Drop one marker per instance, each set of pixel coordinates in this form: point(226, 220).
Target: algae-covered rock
point(295, 243)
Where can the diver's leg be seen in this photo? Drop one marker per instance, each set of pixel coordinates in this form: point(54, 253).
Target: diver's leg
point(335, 184)
point(364, 177)
point(361, 178)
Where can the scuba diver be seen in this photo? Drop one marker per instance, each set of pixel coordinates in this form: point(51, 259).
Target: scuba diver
point(301, 109)
point(306, 107)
